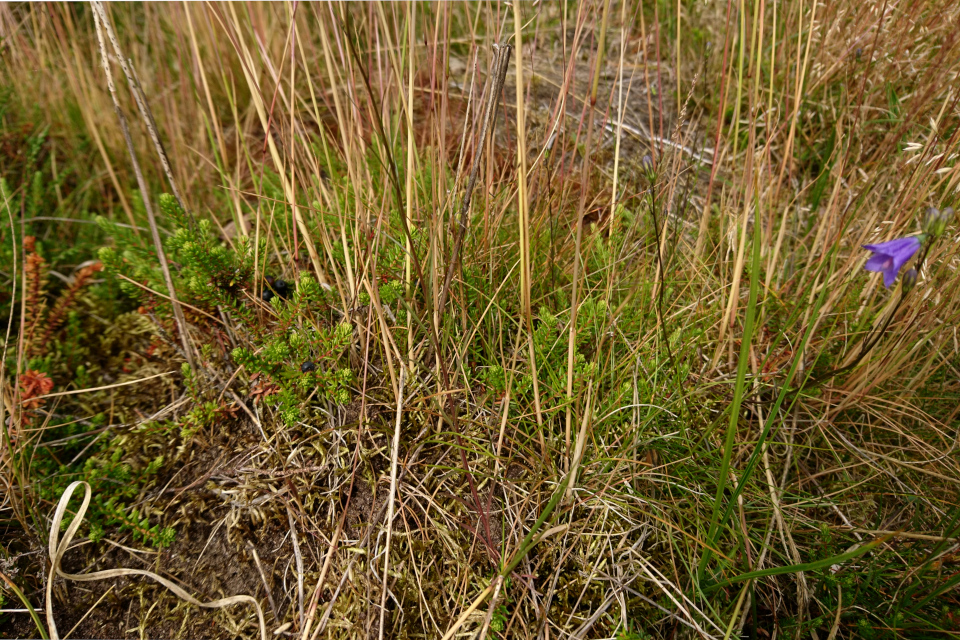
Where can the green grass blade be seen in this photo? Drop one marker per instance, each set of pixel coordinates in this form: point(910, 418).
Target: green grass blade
point(775, 409)
point(807, 566)
point(748, 328)
point(26, 603)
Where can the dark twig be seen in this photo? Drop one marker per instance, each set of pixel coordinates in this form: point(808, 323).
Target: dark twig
point(500, 65)
point(450, 413)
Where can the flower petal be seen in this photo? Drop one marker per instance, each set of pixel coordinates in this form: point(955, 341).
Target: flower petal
point(878, 262)
point(904, 253)
point(900, 260)
point(889, 277)
point(897, 245)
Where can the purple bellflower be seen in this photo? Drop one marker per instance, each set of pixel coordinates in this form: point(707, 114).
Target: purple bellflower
point(889, 257)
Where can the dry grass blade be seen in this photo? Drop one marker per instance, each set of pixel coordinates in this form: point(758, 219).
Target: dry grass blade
point(58, 548)
point(391, 501)
point(100, 16)
point(137, 90)
point(103, 388)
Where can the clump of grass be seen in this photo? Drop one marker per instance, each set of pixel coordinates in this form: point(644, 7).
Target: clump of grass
point(592, 352)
